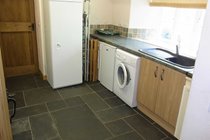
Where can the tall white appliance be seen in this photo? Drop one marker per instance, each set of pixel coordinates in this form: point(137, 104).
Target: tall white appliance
point(63, 37)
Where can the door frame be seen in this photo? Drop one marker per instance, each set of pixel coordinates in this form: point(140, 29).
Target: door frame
point(40, 37)
point(6, 132)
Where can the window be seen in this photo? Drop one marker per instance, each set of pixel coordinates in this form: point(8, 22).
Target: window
point(180, 26)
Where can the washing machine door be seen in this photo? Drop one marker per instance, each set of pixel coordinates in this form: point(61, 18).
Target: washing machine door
point(122, 75)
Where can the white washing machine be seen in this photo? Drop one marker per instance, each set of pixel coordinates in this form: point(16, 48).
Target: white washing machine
point(126, 77)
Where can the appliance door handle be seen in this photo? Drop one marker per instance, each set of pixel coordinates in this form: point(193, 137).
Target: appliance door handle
point(122, 82)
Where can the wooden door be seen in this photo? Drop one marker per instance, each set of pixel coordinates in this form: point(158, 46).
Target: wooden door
point(169, 94)
point(5, 128)
point(17, 35)
point(148, 83)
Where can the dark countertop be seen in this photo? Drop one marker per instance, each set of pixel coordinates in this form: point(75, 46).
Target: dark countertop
point(136, 47)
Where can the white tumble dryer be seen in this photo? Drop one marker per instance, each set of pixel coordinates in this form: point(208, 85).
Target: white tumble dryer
point(126, 77)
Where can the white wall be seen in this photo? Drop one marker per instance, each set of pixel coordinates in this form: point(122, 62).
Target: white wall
point(197, 120)
point(40, 36)
point(121, 12)
point(101, 12)
point(142, 15)
point(116, 12)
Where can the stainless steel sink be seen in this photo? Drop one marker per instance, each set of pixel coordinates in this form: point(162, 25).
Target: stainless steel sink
point(182, 61)
point(178, 60)
point(158, 52)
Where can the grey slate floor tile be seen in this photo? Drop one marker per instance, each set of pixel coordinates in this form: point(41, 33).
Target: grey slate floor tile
point(39, 82)
point(41, 95)
point(92, 83)
point(118, 127)
point(31, 110)
point(43, 127)
point(75, 91)
point(23, 136)
point(144, 116)
point(115, 113)
point(21, 125)
point(115, 101)
point(20, 83)
point(95, 102)
point(79, 123)
point(128, 136)
point(145, 129)
point(19, 99)
point(56, 138)
point(55, 105)
point(165, 132)
point(105, 94)
point(74, 101)
point(98, 87)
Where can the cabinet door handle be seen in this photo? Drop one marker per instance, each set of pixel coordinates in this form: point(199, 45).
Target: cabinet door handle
point(155, 72)
point(162, 75)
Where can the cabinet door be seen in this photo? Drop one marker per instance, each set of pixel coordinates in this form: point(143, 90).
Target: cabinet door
point(169, 94)
point(148, 83)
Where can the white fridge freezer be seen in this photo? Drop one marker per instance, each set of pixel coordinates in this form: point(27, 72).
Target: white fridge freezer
point(63, 37)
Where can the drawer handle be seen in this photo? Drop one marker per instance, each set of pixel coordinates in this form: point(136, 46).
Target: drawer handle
point(155, 72)
point(162, 75)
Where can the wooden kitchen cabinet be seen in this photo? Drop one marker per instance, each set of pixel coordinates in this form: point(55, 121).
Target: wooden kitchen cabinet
point(159, 93)
point(148, 83)
point(180, 3)
point(169, 94)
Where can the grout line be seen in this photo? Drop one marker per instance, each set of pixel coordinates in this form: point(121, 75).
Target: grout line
point(53, 121)
point(111, 108)
point(100, 121)
point(67, 107)
point(133, 129)
point(59, 94)
point(29, 123)
point(118, 119)
point(97, 90)
point(62, 98)
point(24, 99)
point(152, 123)
point(89, 87)
point(27, 106)
point(103, 100)
point(120, 135)
point(30, 116)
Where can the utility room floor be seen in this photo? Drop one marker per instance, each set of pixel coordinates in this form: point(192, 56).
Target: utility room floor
point(83, 112)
